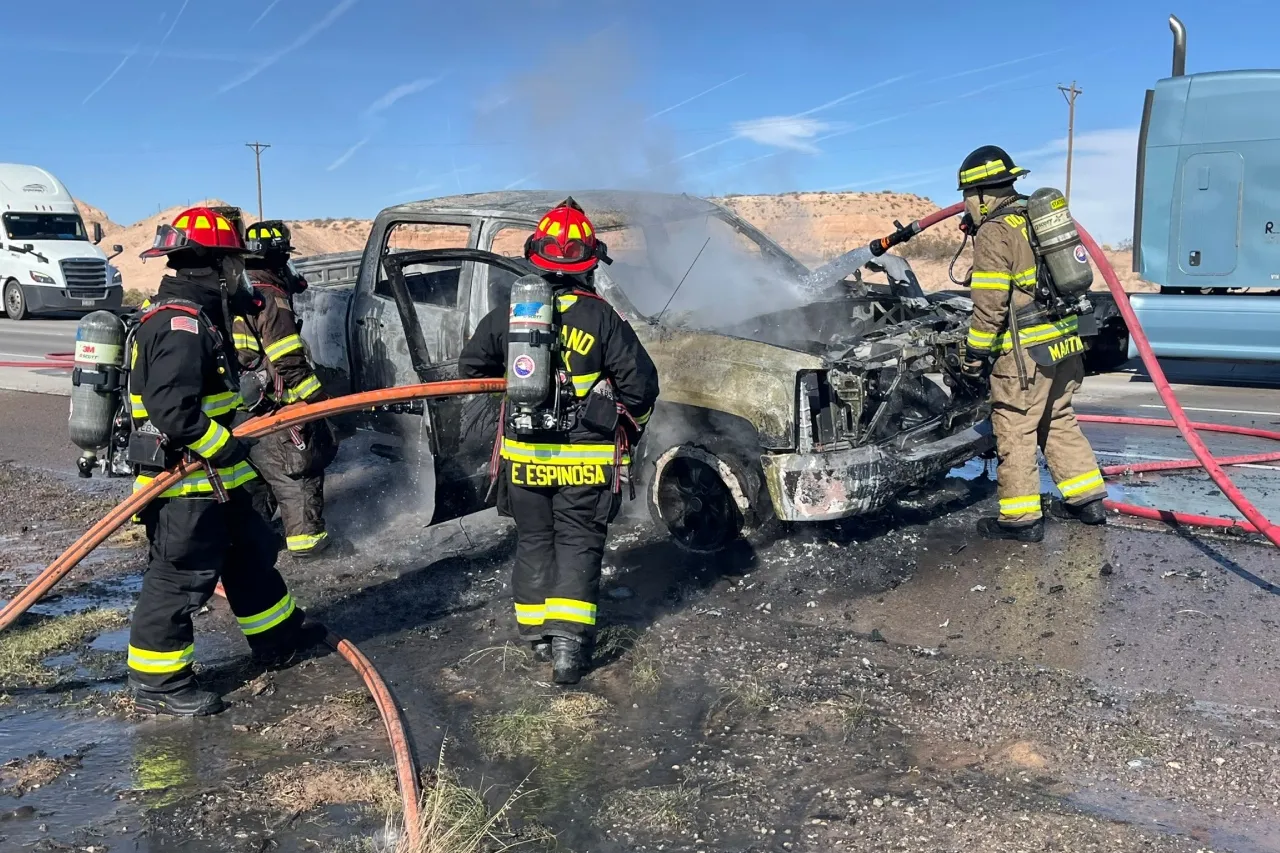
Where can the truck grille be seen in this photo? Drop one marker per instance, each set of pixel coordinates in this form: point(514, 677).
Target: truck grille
point(85, 274)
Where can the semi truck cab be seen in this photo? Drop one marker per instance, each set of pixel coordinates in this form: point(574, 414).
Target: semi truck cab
point(1207, 212)
point(49, 261)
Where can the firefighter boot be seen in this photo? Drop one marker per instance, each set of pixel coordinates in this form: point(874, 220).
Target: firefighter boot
point(308, 635)
point(993, 528)
point(1092, 512)
point(542, 650)
point(568, 660)
point(186, 701)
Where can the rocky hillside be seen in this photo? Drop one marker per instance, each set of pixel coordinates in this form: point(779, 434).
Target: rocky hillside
point(814, 226)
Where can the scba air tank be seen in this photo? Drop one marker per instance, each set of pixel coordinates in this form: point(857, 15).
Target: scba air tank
point(1058, 242)
point(95, 380)
point(530, 338)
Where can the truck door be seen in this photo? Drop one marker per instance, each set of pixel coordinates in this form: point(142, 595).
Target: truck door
point(1209, 224)
point(440, 295)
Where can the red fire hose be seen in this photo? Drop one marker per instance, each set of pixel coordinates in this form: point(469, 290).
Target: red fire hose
point(406, 767)
point(1257, 523)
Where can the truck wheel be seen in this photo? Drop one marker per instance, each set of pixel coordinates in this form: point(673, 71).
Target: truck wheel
point(15, 301)
point(706, 497)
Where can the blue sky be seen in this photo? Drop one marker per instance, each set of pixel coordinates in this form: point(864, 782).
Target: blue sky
point(146, 104)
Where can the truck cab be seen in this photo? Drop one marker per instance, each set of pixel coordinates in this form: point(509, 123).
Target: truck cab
point(788, 395)
point(1206, 227)
point(49, 262)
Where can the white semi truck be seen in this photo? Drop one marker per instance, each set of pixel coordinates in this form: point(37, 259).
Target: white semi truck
point(49, 262)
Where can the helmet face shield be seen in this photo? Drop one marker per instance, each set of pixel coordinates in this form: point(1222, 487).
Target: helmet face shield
point(168, 239)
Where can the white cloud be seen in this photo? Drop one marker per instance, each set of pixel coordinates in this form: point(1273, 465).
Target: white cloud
point(1104, 166)
point(272, 58)
point(347, 155)
point(790, 132)
point(401, 91)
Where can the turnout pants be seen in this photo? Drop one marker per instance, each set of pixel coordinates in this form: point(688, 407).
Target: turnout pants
point(1040, 418)
point(301, 501)
point(194, 542)
point(561, 532)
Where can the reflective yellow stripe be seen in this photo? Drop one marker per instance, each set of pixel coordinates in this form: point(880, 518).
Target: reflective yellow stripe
point(220, 403)
point(304, 541)
point(267, 619)
point(986, 170)
point(530, 614)
point(1026, 279)
point(1086, 482)
point(571, 610)
point(214, 439)
point(1040, 334)
point(641, 420)
point(160, 663)
point(1021, 505)
point(990, 280)
point(213, 405)
point(980, 340)
point(302, 390)
point(284, 346)
point(557, 454)
point(564, 302)
point(196, 483)
point(583, 384)
point(245, 341)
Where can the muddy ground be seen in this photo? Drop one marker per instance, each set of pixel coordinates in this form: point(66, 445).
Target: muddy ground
point(893, 684)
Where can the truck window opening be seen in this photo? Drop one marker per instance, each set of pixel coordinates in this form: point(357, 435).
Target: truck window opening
point(44, 226)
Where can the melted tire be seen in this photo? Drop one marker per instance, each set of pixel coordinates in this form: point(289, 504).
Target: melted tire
point(707, 498)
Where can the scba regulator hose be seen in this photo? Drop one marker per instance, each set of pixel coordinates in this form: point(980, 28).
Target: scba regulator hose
point(1257, 522)
point(406, 766)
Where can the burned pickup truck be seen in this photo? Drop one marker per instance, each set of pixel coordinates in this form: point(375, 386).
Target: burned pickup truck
point(787, 393)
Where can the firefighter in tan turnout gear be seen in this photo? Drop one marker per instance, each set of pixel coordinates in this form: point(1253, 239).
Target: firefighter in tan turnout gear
point(269, 345)
point(1032, 355)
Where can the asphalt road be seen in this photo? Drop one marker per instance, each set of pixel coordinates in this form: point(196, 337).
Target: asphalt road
point(33, 340)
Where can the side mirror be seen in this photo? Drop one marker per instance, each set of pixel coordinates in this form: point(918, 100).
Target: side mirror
point(115, 250)
point(97, 233)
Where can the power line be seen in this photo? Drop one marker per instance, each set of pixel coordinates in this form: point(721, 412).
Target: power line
point(1070, 94)
point(258, 148)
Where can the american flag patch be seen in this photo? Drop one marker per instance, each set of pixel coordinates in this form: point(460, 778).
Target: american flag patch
point(185, 324)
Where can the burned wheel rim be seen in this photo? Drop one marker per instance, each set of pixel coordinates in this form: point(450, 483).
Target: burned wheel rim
point(696, 505)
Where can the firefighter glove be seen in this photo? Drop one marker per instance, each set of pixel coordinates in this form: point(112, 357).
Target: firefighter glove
point(235, 451)
point(976, 364)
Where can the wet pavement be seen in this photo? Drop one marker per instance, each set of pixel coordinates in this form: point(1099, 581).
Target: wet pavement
point(893, 683)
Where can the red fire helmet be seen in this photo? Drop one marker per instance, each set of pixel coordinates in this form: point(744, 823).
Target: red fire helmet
point(565, 241)
point(198, 227)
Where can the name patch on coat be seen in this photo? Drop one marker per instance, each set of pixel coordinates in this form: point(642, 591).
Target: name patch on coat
point(185, 324)
point(541, 476)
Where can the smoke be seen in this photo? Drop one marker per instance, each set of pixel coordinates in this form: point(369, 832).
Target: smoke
point(569, 134)
point(575, 121)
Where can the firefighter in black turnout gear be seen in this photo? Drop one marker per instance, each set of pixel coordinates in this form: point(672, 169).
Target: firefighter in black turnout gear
point(183, 396)
point(561, 462)
point(269, 347)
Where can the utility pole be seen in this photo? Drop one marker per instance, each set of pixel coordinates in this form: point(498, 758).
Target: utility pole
point(1070, 95)
point(259, 147)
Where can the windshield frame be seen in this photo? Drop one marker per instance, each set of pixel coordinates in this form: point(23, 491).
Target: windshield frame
point(82, 234)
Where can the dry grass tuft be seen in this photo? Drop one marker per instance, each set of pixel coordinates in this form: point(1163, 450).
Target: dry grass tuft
point(455, 818)
point(308, 786)
point(748, 695)
point(316, 724)
point(23, 650)
point(27, 774)
point(536, 725)
point(510, 655)
point(620, 641)
point(666, 808)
